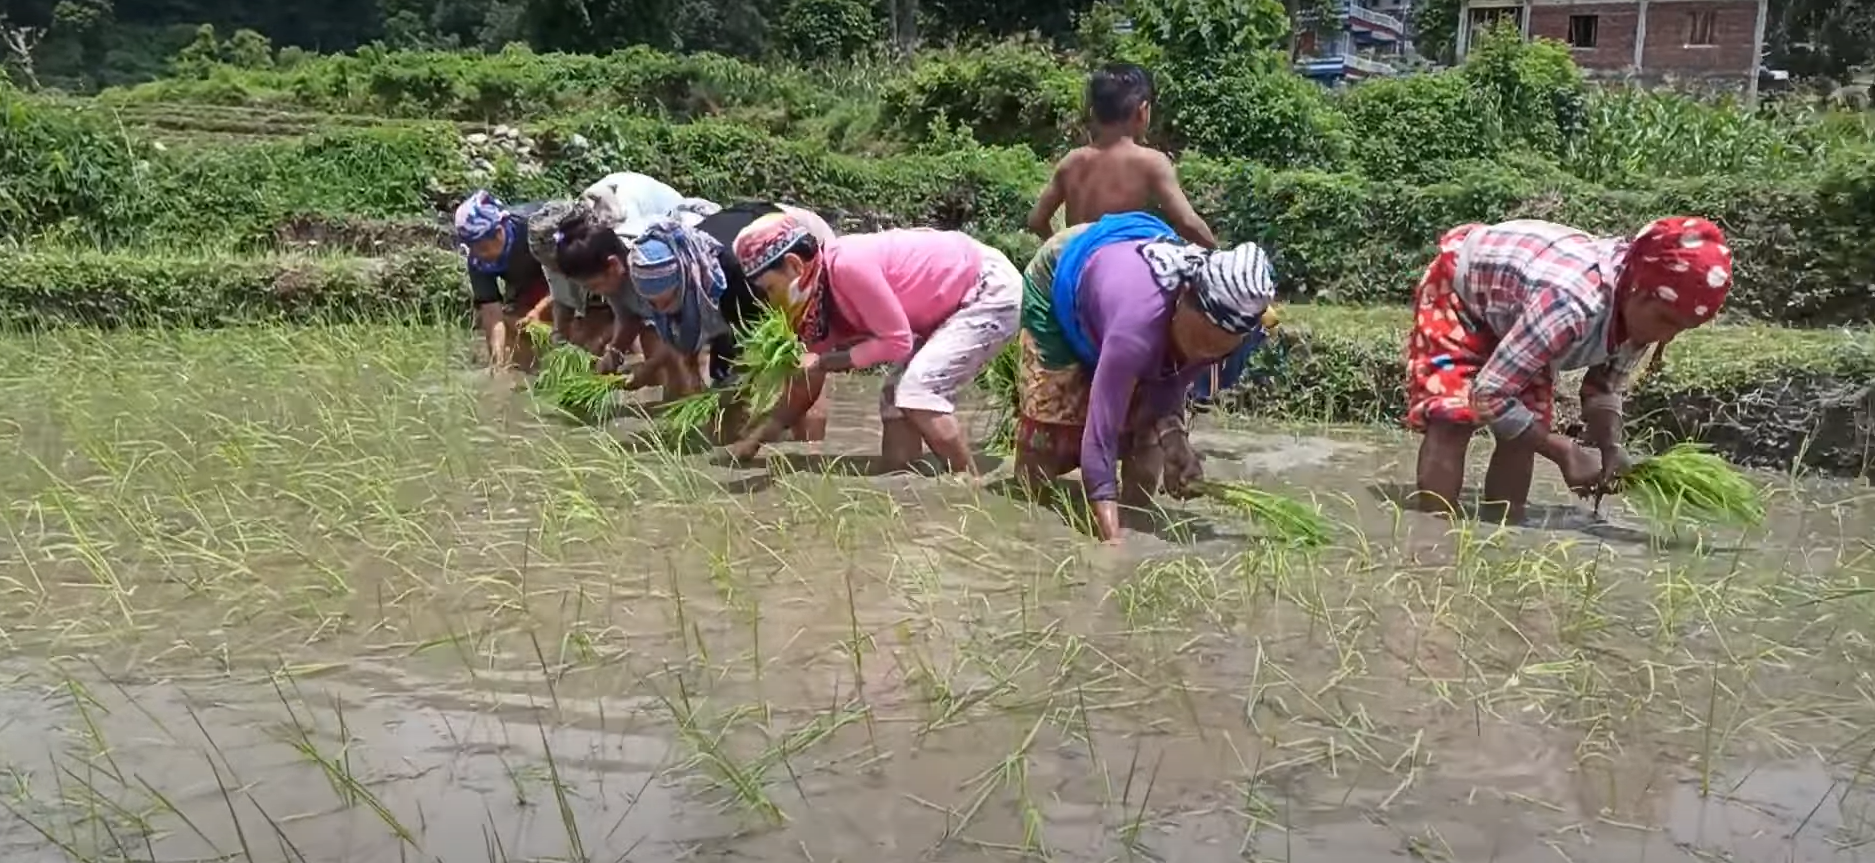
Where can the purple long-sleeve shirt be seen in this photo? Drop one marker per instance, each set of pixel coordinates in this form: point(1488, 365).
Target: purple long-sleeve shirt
point(1127, 317)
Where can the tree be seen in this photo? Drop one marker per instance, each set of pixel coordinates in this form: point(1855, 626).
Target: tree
point(197, 58)
point(248, 50)
point(85, 22)
point(20, 42)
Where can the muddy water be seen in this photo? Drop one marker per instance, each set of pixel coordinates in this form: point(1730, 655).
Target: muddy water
point(391, 613)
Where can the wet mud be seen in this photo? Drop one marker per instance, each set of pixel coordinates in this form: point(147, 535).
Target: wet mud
point(268, 602)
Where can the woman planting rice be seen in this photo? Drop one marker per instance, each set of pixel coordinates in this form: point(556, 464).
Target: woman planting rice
point(604, 324)
point(1115, 330)
point(506, 283)
point(682, 275)
point(934, 306)
point(1504, 307)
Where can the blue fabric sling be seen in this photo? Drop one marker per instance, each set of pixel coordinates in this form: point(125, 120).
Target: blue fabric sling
point(1065, 293)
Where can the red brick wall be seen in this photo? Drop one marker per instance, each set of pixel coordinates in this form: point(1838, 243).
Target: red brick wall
point(1614, 36)
point(1668, 28)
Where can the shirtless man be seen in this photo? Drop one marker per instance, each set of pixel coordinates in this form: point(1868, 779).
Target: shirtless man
point(1115, 173)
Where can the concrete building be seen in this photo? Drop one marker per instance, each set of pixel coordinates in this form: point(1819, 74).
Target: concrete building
point(1710, 39)
point(1356, 40)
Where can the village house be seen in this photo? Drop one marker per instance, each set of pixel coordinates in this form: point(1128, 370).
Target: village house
point(1714, 40)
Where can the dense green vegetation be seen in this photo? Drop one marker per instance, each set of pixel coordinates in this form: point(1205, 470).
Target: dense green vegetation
point(308, 185)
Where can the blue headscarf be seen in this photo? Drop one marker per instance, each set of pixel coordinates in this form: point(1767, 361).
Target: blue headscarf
point(1065, 293)
point(670, 256)
point(477, 219)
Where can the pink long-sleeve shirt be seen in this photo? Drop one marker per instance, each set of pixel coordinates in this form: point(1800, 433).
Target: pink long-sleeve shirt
point(893, 287)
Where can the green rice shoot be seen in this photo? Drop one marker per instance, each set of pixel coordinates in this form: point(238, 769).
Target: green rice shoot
point(770, 357)
point(1289, 521)
point(688, 415)
point(999, 379)
point(567, 378)
point(1690, 482)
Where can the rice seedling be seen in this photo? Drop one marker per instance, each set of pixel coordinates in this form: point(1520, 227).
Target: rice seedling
point(1000, 380)
point(815, 650)
point(1689, 481)
point(567, 378)
point(688, 415)
point(770, 357)
point(1290, 521)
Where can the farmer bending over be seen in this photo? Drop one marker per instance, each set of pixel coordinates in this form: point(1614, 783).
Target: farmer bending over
point(1504, 307)
point(1115, 173)
point(933, 306)
point(1115, 329)
point(506, 283)
point(605, 325)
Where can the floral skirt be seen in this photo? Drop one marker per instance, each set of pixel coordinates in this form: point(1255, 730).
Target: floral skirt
point(1449, 344)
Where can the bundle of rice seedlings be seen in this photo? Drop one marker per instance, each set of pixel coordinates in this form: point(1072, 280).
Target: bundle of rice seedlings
point(587, 397)
point(687, 416)
point(566, 378)
point(771, 355)
point(1689, 481)
point(1288, 520)
point(999, 380)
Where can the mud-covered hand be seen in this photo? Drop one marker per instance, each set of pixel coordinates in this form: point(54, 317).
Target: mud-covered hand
point(1615, 463)
point(1183, 465)
point(611, 361)
point(1581, 469)
point(744, 450)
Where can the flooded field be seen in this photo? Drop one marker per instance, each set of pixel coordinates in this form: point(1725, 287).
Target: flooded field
point(330, 595)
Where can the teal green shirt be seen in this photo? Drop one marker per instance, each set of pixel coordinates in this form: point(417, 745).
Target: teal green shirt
point(1038, 301)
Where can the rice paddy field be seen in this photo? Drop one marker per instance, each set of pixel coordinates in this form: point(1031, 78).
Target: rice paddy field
point(331, 594)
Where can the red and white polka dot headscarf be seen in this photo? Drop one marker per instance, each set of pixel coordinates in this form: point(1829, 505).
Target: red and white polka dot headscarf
point(1684, 261)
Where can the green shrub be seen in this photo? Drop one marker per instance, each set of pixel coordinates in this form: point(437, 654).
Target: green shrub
point(1415, 125)
point(515, 84)
point(985, 188)
point(1011, 94)
point(1259, 111)
point(822, 30)
point(1800, 246)
point(65, 170)
point(40, 289)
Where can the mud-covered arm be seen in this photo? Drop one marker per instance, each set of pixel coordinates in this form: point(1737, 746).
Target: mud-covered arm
point(1551, 323)
point(1604, 392)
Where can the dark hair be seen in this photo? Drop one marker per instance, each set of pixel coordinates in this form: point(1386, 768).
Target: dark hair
point(583, 243)
point(1115, 93)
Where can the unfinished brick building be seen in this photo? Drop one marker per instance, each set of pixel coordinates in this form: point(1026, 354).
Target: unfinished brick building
point(1719, 40)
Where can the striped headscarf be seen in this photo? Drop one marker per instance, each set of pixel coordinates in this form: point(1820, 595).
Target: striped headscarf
point(479, 217)
point(1233, 287)
point(672, 257)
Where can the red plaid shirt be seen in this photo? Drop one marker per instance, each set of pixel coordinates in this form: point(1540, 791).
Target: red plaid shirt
point(1547, 291)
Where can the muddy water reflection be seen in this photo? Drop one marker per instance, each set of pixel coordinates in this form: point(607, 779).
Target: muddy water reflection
point(346, 629)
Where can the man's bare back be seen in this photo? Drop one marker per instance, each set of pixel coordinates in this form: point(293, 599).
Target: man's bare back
point(1117, 177)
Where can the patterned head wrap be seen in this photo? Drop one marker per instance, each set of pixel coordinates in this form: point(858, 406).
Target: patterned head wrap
point(1233, 287)
point(543, 229)
point(669, 257)
point(478, 218)
point(760, 246)
point(1684, 261)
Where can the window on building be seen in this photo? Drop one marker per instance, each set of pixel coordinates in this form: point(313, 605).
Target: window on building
point(1700, 27)
point(1582, 30)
